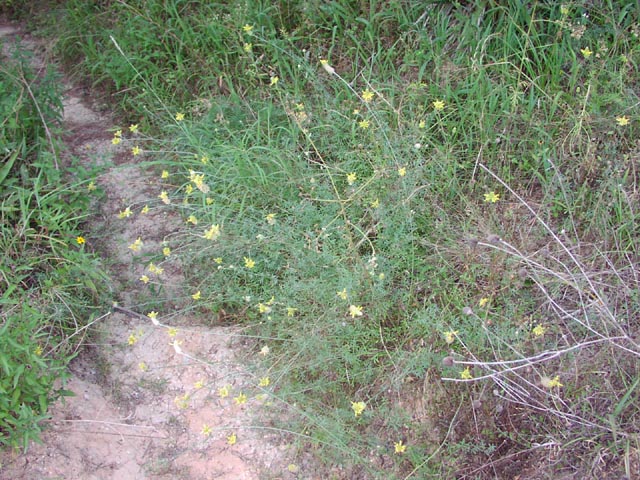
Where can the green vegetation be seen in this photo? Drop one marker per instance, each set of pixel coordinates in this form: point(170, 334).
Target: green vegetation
point(49, 282)
point(425, 216)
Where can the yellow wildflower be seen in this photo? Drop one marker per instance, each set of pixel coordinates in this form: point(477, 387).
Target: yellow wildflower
point(118, 134)
point(80, 240)
point(198, 181)
point(145, 210)
point(375, 203)
point(153, 268)
point(342, 294)
point(137, 245)
point(154, 317)
point(438, 105)
point(126, 213)
point(274, 80)
point(264, 351)
point(399, 447)
point(164, 175)
point(132, 339)
point(328, 68)
point(249, 262)
point(550, 382)
point(262, 308)
point(136, 150)
point(291, 311)
point(164, 196)
point(179, 116)
point(143, 367)
point(224, 392)
point(539, 330)
point(271, 218)
point(450, 336)
point(218, 260)
point(367, 95)
point(364, 124)
point(91, 187)
point(264, 382)
point(247, 28)
point(196, 296)
point(623, 121)
point(491, 197)
point(182, 402)
point(247, 47)
point(358, 408)
point(240, 399)
point(144, 279)
point(116, 140)
point(198, 385)
point(355, 311)
point(206, 430)
point(172, 332)
point(422, 124)
point(466, 374)
point(402, 171)
point(192, 219)
point(586, 52)
point(133, 128)
point(483, 301)
point(166, 251)
point(38, 351)
point(232, 439)
point(351, 178)
point(213, 233)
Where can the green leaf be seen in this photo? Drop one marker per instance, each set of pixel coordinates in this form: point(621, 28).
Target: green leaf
point(42, 400)
point(16, 376)
point(6, 168)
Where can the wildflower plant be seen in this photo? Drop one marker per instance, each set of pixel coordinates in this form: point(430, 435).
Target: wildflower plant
point(445, 238)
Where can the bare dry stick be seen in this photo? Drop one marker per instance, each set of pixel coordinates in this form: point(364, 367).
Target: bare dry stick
point(522, 362)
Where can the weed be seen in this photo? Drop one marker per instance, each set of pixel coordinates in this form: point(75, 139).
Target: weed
point(50, 282)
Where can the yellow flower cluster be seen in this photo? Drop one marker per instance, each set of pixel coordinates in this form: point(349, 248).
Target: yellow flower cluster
point(212, 233)
point(153, 268)
point(358, 408)
point(198, 180)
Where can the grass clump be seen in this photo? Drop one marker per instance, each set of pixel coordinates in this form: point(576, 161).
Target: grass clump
point(424, 216)
point(49, 279)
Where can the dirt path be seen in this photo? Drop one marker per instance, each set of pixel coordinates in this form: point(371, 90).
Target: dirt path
point(154, 409)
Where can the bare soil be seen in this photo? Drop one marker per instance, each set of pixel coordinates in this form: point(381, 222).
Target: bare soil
point(139, 410)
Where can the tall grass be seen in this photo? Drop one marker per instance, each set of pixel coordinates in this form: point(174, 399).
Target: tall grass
point(50, 282)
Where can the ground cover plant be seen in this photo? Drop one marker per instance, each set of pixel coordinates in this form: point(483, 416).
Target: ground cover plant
point(49, 280)
point(424, 216)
